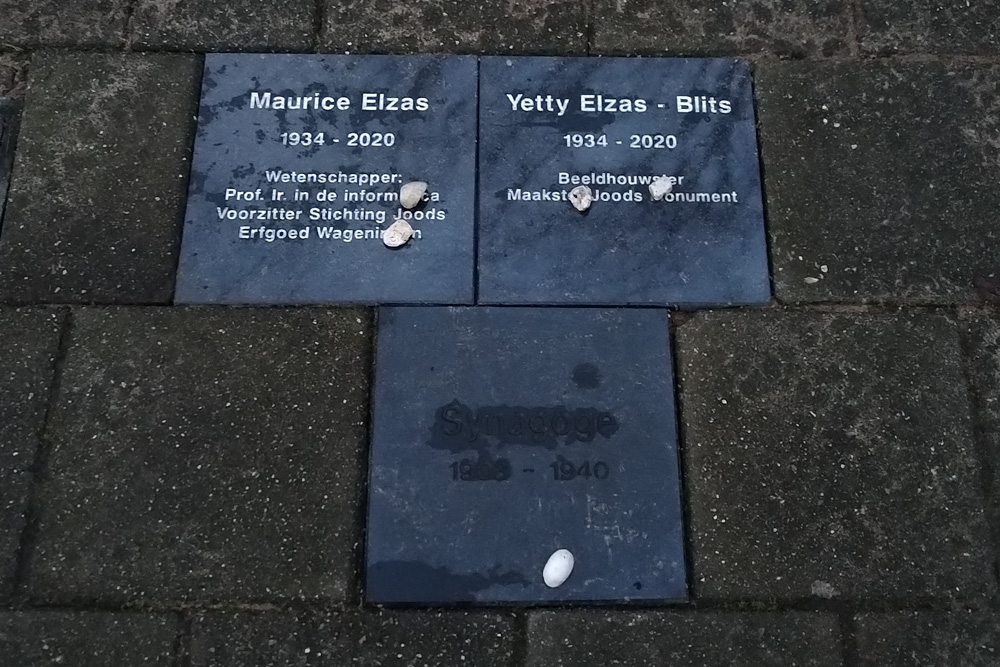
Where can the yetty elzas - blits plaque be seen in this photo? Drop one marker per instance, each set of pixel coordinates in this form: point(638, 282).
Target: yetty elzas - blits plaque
point(501, 436)
point(298, 165)
point(662, 149)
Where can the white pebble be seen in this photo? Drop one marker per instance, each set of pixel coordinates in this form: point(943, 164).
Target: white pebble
point(558, 568)
point(397, 234)
point(411, 193)
point(660, 187)
point(811, 281)
point(581, 197)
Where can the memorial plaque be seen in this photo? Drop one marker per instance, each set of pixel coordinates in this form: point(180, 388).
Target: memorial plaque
point(8, 133)
point(502, 435)
point(298, 164)
point(613, 125)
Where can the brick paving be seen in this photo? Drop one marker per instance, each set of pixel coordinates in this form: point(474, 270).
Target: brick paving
point(185, 487)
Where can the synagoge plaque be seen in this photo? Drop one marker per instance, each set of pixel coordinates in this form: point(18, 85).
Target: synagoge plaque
point(504, 435)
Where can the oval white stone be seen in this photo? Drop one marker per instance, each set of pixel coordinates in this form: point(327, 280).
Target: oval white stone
point(397, 234)
point(558, 568)
point(660, 187)
point(581, 197)
point(411, 193)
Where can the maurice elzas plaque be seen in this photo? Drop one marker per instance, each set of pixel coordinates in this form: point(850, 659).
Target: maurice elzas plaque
point(502, 436)
point(298, 165)
point(663, 150)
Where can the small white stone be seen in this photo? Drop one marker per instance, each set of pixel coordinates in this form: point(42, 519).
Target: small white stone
point(824, 268)
point(811, 281)
point(397, 234)
point(660, 187)
point(558, 568)
point(581, 197)
point(411, 193)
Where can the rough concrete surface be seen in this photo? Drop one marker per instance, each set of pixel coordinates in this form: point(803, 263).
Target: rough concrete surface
point(223, 25)
point(793, 28)
point(879, 179)
point(830, 456)
point(456, 26)
point(638, 639)
point(96, 200)
point(50, 23)
point(46, 638)
point(218, 459)
point(386, 639)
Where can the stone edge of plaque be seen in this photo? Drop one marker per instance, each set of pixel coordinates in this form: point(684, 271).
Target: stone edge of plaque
point(9, 125)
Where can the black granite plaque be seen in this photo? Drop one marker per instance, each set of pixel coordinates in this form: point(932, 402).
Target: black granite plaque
point(297, 168)
point(8, 133)
point(504, 434)
point(549, 125)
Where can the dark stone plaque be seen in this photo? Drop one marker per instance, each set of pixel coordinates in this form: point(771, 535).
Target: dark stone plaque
point(297, 168)
point(8, 133)
point(504, 434)
point(549, 125)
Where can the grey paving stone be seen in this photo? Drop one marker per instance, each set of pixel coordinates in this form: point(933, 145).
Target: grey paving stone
point(29, 342)
point(830, 456)
point(385, 639)
point(706, 28)
point(37, 638)
point(983, 345)
point(693, 639)
point(96, 202)
point(81, 23)
point(886, 26)
point(205, 455)
point(224, 25)
point(882, 172)
point(928, 639)
point(549, 27)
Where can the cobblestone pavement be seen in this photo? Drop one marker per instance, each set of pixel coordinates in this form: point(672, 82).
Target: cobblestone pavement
point(185, 486)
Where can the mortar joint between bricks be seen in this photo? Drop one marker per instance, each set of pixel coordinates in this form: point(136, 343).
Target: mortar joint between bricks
point(39, 465)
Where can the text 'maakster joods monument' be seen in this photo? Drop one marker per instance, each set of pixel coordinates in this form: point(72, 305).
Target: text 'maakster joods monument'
point(611, 126)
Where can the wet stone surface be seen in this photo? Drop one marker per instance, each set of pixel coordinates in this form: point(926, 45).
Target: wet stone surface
point(297, 169)
point(928, 639)
point(45, 638)
point(96, 200)
point(386, 639)
point(587, 638)
point(549, 125)
point(455, 26)
point(81, 23)
point(223, 25)
point(478, 476)
point(880, 179)
point(797, 28)
point(218, 459)
point(830, 457)
point(921, 26)
point(30, 341)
